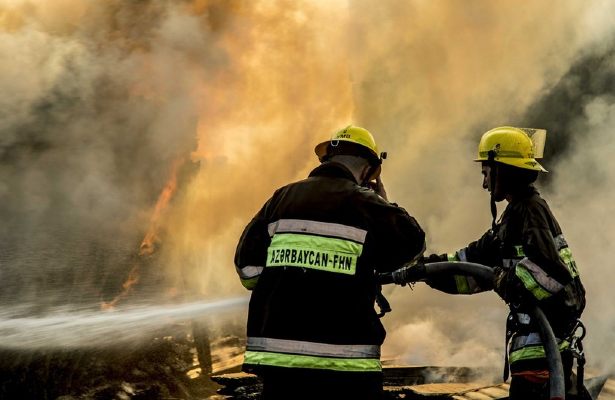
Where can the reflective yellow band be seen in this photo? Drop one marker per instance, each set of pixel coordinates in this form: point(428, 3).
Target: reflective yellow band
point(566, 256)
point(312, 362)
point(452, 257)
point(530, 283)
point(533, 352)
point(502, 154)
point(314, 252)
point(540, 276)
point(249, 283)
point(462, 284)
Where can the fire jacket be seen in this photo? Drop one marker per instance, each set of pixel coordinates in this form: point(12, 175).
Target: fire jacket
point(310, 256)
point(534, 265)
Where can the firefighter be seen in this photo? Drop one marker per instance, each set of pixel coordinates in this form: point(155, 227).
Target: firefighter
point(310, 257)
point(532, 262)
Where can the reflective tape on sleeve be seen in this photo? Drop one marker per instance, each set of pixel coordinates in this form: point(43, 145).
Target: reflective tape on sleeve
point(462, 284)
point(466, 284)
point(250, 283)
point(560, 242)
point(313, 348)
point(536, 280)
point(249, 271)
point(566, 256)
point(249, 275)
point(318, 228)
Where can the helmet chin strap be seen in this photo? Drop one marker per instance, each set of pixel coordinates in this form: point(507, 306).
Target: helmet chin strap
point(492, 182)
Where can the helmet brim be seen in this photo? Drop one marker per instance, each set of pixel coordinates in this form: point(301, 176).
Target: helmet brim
point(350, 147)
point(525, 163)
point(321, 149)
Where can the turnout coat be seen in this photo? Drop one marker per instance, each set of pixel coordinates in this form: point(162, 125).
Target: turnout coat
point(310, 257)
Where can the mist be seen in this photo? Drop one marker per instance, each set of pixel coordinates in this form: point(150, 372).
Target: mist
point(101, 99)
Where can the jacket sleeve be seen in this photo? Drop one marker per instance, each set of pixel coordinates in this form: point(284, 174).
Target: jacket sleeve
point(482, 251)
point(542, 272)
point(398, 237)
point(251, 253)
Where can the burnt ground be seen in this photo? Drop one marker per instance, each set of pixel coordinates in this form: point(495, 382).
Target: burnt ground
point(165, 367)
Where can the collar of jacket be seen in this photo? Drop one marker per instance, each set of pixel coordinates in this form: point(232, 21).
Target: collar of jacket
point(333, 169)
point(524, 193)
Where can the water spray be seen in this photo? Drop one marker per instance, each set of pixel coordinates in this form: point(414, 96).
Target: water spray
point(67, 328)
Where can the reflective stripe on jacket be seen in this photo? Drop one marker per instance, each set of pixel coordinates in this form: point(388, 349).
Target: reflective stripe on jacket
point(300, 354)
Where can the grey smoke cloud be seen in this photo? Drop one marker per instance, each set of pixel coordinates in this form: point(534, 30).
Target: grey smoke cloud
point(584, 198)
point(96, 114)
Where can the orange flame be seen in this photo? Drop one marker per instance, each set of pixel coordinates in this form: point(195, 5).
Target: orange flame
point(148, 245)
point(151, 238)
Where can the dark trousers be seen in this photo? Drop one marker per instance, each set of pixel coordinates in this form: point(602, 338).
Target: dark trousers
point(300, 384)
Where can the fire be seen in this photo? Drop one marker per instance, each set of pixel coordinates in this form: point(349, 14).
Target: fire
point(151, 238)
point(148, 245)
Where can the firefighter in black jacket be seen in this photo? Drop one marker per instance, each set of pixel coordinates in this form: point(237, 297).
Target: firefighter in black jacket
point(310, 257)
point(531, 259)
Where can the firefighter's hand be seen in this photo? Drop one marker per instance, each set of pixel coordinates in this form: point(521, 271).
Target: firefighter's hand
point(432, 258)
point(409, 274)
point(379, 188)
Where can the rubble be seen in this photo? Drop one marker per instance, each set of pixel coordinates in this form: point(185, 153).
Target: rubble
point(400, 382)
point(408, 383)
point(165, 367)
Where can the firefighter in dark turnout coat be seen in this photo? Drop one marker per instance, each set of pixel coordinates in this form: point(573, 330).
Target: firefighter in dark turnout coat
point(531, 259)
point(310, 257)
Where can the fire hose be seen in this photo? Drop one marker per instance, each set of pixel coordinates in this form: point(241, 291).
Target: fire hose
point(557, 388)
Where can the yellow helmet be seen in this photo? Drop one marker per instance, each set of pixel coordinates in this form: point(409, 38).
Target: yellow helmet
point(351, 134)
point(512, 146)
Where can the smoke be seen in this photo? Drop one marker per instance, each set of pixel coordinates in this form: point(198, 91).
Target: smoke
point(584, 198)
point(429, 90)
point(106, 96)
point(259, 120)
point(92, 116)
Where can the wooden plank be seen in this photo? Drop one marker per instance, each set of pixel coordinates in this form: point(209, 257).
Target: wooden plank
point(608, 391)
point(228, 364)
point(496, 392)
point(476, 396)
point(439, 389)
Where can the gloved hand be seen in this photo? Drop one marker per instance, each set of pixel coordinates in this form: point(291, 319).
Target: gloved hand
point(409, 274)
point(432, 258)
